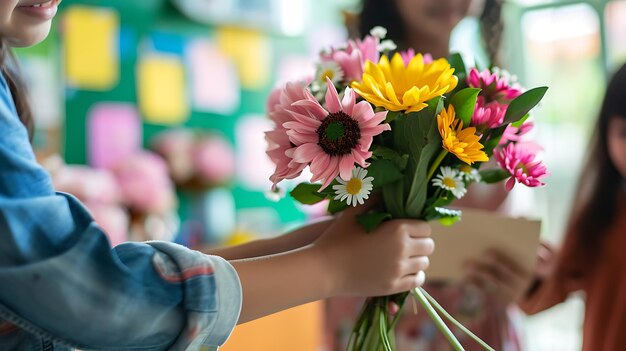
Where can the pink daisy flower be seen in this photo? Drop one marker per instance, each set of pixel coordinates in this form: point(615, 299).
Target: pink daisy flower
point(334, 138)
point(408, 54)
point(353, 57)
point(488, 115)
point(280, 149)
point(494, 87)
point(514, 134)
point(519, 160)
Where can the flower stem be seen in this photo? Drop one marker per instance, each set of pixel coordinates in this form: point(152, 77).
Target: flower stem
point(455, 322)
point(436, 164)
point(418, 293)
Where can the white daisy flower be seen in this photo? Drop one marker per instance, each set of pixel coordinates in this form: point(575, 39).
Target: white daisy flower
point(469, 173)
point(448, 212)
point(356, 190)
point(379, 32)
point(449, 179)
point(330, 69)
point(387, 45)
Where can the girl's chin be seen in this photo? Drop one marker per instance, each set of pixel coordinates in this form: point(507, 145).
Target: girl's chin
point(31, 37)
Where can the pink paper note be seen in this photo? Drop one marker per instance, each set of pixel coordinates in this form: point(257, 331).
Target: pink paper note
point(114, 132)
point(214, 81)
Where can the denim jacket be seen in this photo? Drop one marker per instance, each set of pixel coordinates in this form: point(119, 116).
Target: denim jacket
point(62, 286)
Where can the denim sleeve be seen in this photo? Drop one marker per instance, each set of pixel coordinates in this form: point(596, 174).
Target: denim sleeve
point(60, 279)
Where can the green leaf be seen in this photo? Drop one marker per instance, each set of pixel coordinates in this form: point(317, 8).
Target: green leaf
point(393, 115)
point(464, 103)
point(369, 221)
point(307, 194)
point(522, 104)
point(449, 220)
point(491, 176)
point(329, 192)
point(425, 144)
point(393, 197)
point(391, 155)
point(456, 61)
point(336, 206)
point(521, 121)
point(384, 172)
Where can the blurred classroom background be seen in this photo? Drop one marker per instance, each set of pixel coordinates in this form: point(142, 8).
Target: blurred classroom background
point(157, 115)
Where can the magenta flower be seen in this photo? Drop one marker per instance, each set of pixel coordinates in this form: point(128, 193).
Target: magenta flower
point(494, 87)
point(353, 57)
point(408, 54)
point(519, 160)
point(334, 138)
point(514, 134)
point(280, 149)
point(488, 115)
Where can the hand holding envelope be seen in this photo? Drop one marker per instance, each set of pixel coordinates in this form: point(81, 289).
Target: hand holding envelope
point(495, 252)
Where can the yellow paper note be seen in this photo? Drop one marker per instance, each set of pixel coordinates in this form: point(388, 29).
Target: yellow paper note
point(162, 90)
point(250, 50)
point(92, 47)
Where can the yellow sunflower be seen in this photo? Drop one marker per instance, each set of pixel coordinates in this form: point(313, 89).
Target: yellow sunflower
point(397, 87)
point(463, 143)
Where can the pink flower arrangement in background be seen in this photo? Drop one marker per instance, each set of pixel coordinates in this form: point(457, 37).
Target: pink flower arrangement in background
point(196, 158)
point(99, 192)
point(519, 160)
point(334, 138)
point(176, 146)
point(214, 160)
point(145, 184)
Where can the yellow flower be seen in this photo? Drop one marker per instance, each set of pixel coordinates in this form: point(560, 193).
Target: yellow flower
point(463, 143)
point(397, 87)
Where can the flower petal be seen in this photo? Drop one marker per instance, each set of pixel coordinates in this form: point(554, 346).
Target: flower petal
point(333, 104)
point(306, 152)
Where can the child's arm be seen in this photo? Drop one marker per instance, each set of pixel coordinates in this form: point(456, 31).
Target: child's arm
point(344, 261)
point(60, 279)
point(296, 239)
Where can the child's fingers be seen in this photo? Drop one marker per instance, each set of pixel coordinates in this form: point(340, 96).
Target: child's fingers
point(411, 281)
point(504, 265)
point(421, 247)
point(416, 264)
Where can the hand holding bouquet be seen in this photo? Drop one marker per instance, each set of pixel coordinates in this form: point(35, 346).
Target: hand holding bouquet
point(415, 129)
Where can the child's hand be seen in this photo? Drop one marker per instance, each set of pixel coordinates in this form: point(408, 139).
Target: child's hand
point(388, 260)
point(497, 275)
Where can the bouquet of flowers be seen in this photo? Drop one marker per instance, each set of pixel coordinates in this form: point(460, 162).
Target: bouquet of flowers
point(414, 129)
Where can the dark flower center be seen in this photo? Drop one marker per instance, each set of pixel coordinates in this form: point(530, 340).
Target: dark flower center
point(338, 134)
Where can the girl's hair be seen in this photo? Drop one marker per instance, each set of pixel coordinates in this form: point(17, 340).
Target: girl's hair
point(600, 182)
point(10, 70)
point(382, 13)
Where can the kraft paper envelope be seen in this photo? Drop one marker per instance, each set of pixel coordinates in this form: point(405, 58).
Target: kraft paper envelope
point(477, 232)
